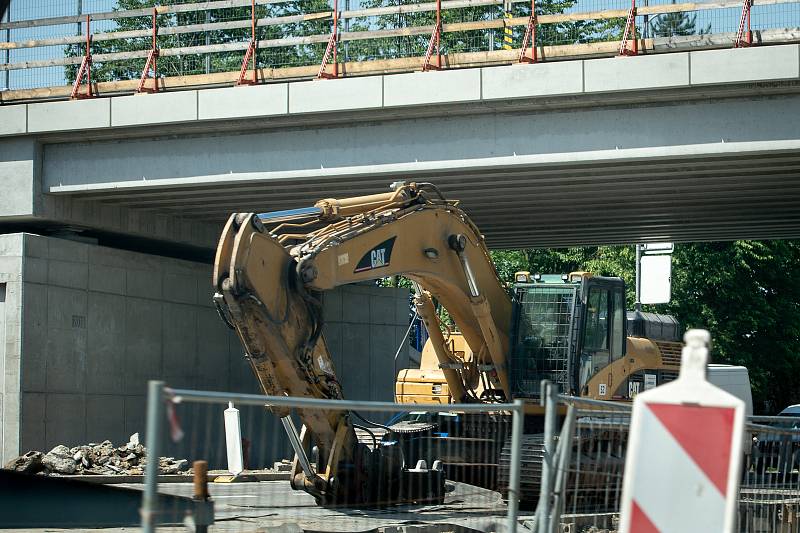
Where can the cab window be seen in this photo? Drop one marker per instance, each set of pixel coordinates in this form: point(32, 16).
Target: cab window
point(596, 321)
point(605, 315)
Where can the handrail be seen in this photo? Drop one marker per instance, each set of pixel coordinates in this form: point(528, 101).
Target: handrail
point(344, 36)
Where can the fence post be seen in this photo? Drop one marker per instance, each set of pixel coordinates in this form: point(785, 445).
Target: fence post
point(517, 425)
point(545, 500)
point(564, 453)
point(154, 428)
point(549, 400)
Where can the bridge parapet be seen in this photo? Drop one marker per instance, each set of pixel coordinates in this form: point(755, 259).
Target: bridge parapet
point(184, 53)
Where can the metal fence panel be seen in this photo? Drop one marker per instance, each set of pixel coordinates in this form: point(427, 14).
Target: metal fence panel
point(261, 496)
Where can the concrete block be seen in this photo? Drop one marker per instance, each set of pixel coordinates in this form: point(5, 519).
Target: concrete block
point(403, 309)
point(33, 422)
point(68, 274)
point(213, 353)
point(382, 309)
point(400, 338)
point(142, 284)
point(105, 357)
point(105, 419)
point(34, 338)
point(641, 72)
point(205, 291)
point(103, 278)
point(101, 255)
point(135, 408)
point(18, 186)
point(180, 341)
point(421, 88)
point(143, 338)
point(180, 288)
point(12, 244)
point(36, 246)
point(356, 360)
point(382, 375)
point(69, 115)
point(65, 420)
point(243, 101)
point(521, 81)
point(355, 307)
point(161, 108)
point(13, 119)
point(66, 360)
point(745, 64)
point(35, 270)
point(11, 265)
point(332, 305)
point(65, 308)
point(335, 95)
point(333, 339)
point(67, 250)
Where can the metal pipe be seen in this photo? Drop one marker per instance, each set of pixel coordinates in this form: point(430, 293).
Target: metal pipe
point(297, 446)
point(154, 428)
point(473, 285)
point(8, 52)
point(564, 453)
point(426, 310)
point(517, 420)
point(222, 398)
point(638, 304)
point(549, 399)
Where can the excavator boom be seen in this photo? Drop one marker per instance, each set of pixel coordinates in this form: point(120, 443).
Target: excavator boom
point(269, 273)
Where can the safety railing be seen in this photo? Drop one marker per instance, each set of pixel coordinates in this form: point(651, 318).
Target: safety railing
point(585, 467)
point(243, 438)
point(226, 42)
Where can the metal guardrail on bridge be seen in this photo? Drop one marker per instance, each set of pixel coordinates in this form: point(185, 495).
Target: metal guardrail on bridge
point(181, 44)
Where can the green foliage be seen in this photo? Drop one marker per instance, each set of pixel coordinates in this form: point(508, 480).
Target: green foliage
point(217, 62)
point(742, 292)
point(678, 23)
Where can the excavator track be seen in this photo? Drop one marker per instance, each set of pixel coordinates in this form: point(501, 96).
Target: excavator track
point(532, 453)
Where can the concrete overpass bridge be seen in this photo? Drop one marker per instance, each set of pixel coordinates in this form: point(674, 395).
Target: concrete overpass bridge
point(701, 145)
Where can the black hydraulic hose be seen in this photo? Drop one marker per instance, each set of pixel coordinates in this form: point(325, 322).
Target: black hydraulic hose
point(370, 422)
point(371, 434)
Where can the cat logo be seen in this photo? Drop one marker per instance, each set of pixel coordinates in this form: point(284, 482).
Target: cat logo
point(378, 257)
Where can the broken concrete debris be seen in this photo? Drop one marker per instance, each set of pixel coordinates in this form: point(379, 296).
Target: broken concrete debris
point(95, 458)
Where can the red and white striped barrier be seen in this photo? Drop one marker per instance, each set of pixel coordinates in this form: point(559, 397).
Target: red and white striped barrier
point(684, 453)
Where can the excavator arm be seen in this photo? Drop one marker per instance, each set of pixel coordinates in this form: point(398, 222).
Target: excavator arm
point(270, 271)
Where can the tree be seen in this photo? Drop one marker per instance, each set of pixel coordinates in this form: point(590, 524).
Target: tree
point(678, 23)
point(742, 292)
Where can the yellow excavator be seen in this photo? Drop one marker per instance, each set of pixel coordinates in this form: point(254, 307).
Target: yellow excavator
point(271, 271)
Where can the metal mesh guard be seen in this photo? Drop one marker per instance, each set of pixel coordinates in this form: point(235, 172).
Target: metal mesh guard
point(542, 341)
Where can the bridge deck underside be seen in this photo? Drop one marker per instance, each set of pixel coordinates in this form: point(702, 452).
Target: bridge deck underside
point(719, 197)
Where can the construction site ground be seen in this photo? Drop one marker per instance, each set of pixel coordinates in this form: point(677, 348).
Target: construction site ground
point(262, 505)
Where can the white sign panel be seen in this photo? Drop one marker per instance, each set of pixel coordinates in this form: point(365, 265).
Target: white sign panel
point(658, 248)
point(649, 381)
point(656, 279)
point(684, 453)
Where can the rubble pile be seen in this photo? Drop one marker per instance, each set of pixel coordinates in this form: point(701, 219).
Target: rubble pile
point(95, 458)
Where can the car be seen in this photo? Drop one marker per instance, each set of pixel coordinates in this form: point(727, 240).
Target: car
point(777, 450)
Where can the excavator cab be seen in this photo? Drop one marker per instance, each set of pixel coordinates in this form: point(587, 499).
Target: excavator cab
point(565, 328)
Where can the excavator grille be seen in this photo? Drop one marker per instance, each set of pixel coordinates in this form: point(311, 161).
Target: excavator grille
point(542, 338)
point(670, 353)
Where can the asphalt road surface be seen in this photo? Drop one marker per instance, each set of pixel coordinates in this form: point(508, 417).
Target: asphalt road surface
point(273, 506)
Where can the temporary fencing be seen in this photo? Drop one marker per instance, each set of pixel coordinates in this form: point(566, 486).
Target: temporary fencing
point(190, 425)
point(586, 469)
point(290, 39)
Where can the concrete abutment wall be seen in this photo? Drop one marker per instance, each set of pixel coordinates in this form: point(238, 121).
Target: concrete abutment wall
point(86, 326)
